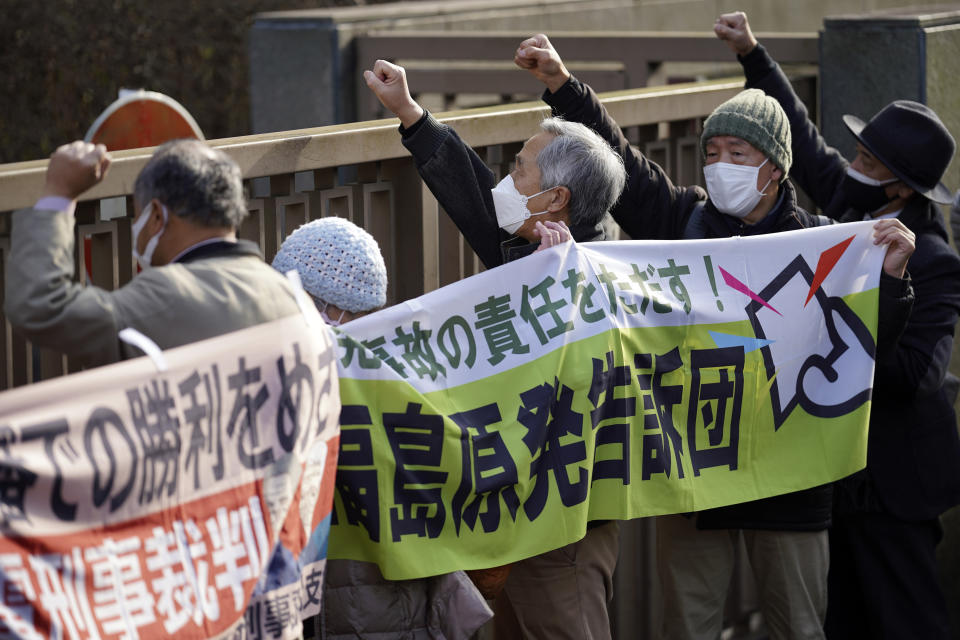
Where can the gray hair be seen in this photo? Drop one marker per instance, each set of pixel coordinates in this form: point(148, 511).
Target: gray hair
point(582, 161)
point(195, 182)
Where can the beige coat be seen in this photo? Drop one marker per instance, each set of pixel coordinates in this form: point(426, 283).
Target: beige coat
point(173, 305)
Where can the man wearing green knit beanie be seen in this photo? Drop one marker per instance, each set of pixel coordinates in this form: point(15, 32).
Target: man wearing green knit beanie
point(746, 145)
point(743, 136)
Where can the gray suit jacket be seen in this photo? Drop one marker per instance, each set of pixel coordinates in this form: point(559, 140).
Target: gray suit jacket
point(173, 305)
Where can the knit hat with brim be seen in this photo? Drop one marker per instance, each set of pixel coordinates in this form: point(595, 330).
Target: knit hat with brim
point(338, 262)
point(757, 118)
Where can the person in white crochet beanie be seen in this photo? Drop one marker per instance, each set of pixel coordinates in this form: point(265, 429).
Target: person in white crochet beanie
point(340, 266)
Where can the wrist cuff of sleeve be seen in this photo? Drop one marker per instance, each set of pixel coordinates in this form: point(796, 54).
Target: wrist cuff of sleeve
point(565, 95)
point(895, 287)
point(406, 132)
point(757, 61)
point(426, 136)
point(55, 203)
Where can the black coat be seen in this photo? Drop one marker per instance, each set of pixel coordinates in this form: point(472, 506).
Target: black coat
point(913, 452)
point(652, 207)
point(461, 183)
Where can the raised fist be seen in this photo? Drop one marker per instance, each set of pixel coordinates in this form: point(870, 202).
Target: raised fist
point(74, 168)
point(389, 83)
point(538, 56)
point(734, 29)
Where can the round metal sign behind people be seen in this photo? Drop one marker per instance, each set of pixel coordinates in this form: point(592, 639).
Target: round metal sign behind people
point(138, 118)
point(142, 119)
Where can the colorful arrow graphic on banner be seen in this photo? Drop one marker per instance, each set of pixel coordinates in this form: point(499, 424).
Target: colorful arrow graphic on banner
point(744, 289)
point(828, 260)
point(749, 344)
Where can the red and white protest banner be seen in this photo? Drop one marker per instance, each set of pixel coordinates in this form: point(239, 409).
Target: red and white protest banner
point(190, 502)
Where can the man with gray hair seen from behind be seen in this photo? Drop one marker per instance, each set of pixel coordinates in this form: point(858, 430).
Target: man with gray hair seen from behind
point(565, 175)
point(198, 281)
point(341, 268)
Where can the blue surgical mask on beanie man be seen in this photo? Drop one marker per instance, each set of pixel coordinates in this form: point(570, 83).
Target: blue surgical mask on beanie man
point(339, 263)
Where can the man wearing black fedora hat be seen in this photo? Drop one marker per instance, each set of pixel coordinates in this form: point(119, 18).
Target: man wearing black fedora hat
point(883, 581)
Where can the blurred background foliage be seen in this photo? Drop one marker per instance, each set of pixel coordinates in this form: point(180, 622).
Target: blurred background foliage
point(63, 61)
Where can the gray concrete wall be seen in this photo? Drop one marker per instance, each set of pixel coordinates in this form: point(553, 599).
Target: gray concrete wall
point(292, 70)
point(941, 87)
point(301, 62)
point(649, 15)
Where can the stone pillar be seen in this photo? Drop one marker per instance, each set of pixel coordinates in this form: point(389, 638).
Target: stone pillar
point(293, 72)
point(867, 61)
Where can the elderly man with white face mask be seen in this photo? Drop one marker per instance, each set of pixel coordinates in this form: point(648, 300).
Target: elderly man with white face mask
point(565, 173)
point(564, 177)
point(198, 279)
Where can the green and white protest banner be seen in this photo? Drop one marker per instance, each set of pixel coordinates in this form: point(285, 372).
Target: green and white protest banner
point(190, 498)
point(490, 420)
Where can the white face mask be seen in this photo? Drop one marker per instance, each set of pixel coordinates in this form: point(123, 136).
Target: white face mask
point(865, 179)
point(733, 187)
point(326, 318)
point(511, 205)
point(146, 257)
